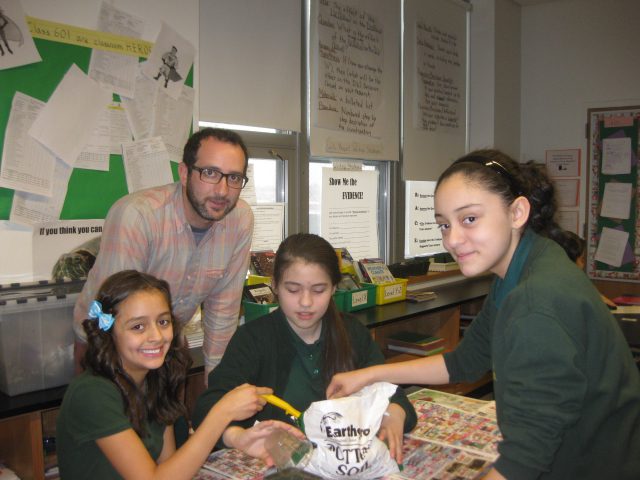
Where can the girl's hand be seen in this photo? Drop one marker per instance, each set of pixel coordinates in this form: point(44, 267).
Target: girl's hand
point(343, 384)
point(243, 401)
point(391, 430)
point(251, 440)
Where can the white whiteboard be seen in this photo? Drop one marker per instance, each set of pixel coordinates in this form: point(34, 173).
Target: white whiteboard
point(354, 65)
point(434, 86)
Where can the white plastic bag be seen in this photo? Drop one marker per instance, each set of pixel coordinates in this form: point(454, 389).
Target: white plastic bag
point(345, 433)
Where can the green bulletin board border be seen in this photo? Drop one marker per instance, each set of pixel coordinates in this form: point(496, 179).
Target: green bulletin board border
point(597, 132)
point(90, 193)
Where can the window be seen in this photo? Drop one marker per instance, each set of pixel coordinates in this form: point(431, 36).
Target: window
point(265, 179)
point(280, 175)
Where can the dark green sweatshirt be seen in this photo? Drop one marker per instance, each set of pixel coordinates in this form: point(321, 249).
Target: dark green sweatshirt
point(567, 390)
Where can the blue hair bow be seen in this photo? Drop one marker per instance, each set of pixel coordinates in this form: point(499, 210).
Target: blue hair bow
point(105, 320)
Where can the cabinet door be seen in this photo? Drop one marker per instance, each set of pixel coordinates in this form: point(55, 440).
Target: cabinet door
point(21, 445)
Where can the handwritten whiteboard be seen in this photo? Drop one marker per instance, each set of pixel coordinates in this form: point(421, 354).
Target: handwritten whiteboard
point(354, 65)
point(434, 86)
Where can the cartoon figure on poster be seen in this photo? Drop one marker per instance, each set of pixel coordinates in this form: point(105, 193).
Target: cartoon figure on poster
point(170, 60)
point(169, 66)
point(8, 31)
point(16, 44)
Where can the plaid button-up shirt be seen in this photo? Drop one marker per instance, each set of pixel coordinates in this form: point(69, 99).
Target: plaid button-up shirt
point(148, 231)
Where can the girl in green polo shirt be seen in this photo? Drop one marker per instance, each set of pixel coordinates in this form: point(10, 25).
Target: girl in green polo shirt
point(116, 419)
point(566, 387)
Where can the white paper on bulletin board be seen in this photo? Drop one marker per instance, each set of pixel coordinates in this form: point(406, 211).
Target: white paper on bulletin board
point(71, 241)
point(354, 82)
point(421, 234)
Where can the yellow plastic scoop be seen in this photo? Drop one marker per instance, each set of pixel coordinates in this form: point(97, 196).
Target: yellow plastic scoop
point(278, 402)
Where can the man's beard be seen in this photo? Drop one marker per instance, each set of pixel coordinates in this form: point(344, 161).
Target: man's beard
point(201, 208)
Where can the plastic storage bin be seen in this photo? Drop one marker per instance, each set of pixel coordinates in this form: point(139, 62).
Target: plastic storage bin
point(256, 310)
point(36, 343)
point(390, 292)
point(256, 279)
point(354, 300)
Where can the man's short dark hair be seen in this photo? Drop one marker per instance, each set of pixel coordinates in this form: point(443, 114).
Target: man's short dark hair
point(227, 136)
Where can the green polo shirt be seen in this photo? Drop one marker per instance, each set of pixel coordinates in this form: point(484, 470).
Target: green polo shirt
point(93, 408)
point(305, 384)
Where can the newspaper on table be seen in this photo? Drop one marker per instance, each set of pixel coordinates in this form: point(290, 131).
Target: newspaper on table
point(456, 439)
point(232, 464)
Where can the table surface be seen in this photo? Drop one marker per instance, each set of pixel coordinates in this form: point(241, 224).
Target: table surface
point(455, 437)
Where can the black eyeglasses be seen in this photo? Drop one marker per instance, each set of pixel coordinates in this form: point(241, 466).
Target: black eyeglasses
point(211, 175)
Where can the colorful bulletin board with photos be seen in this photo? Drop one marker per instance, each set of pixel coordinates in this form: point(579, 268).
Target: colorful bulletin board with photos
point(613, 240)
point(90, 193)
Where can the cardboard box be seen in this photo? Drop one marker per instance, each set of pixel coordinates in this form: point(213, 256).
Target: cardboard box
point(36, 343)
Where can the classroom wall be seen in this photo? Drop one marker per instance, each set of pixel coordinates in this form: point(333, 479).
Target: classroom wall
point(576, 54)
point(507, 77)
point(481, 74)
point(494, 76)
point(534, 70)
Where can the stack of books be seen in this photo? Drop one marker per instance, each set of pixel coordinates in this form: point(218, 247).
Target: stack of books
point(345, 261)
point(348, 282)
point(374, 270)
point(415, 343)
point(420, 295)
point(443, 266)
point(262, 263)
point(259, 293)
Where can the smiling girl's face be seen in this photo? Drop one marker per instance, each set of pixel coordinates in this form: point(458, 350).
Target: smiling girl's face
point(478, 229)
point(143, 332)
point(304, 293)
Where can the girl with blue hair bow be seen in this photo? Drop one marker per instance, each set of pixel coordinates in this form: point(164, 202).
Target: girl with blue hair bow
point(116, 419)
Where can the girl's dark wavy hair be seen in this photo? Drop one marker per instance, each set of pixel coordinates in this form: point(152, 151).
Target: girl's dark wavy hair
point(500, 174)
point(337, 354)
point(159, 398)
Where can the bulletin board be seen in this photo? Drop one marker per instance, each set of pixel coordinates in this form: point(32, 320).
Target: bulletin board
point(613, 233)
point(90, 193)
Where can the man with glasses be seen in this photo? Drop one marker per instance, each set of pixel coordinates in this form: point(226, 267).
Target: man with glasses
point(195, 234)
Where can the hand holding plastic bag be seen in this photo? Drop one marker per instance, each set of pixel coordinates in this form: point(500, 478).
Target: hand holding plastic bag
point(344, 431)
